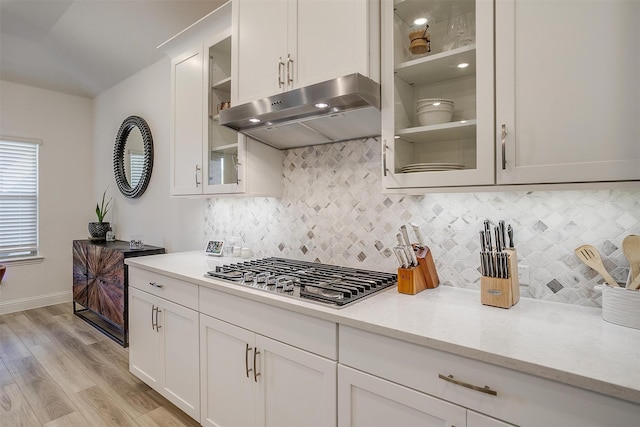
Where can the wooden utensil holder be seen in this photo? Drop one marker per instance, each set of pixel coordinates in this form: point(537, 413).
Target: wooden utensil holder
point(498, 292)
point(412, 280)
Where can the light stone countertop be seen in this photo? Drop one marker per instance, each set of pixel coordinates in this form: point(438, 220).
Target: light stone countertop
point(557, 341)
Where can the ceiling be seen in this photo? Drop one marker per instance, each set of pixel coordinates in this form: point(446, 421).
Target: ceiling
point(85, 47)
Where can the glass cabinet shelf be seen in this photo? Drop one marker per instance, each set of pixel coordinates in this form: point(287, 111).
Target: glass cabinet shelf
point(225, 149)
point(438, 67)
point(222, 85)
point(442, 132)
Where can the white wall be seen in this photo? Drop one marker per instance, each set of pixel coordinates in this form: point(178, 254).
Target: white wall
point(175, 224)
point(64, 123)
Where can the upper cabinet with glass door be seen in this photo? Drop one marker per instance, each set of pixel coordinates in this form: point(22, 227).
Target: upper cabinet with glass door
point(206, 158)
point(437, 93)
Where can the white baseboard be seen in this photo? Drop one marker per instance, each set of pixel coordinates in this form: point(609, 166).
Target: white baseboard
point(34, 302)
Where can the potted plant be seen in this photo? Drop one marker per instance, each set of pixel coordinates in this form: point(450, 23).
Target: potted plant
point(98, 230)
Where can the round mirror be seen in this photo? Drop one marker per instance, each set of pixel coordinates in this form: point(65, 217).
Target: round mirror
point(133, 157)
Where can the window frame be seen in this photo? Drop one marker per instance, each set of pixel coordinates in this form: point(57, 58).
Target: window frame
point(36, 256)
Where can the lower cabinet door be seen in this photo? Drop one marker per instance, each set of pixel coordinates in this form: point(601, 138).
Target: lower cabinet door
point(164, 349)
point(145, 358)
point(295, 387)
point(227, 383)
point(365, 400)
point(178, 327)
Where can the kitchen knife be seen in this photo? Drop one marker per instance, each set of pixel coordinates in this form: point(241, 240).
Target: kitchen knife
point(405, 235)
point(419, 235)
point(503, 236)
point(510, 233)
point(487, 234)
point(397, 252)
point(484, 270)
point(403, 256)
point(400, 241)
point(411, 255)
point(498, 259)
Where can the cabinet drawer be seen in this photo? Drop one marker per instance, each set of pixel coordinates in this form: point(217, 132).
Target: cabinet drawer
point(521, 399)
point(171, 289)
point(315, 335)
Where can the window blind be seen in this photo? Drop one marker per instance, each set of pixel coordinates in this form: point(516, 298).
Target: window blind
point(18, 198)
point(136, 161)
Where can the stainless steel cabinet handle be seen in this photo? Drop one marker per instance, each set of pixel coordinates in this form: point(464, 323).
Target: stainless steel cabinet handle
point(384, 157)
point(246, 359)
point(256, 374)
point(155, 285)
point(197, 170)
point(153, 308)
point(280, 72)
point(157, 325)
point(289, 70)
point(484, 389)
point(504, 146)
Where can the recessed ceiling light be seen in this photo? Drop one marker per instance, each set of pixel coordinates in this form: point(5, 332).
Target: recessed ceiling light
point(253, 120)
point(435, 104)
point(396, 137)
point(420, 21)
point(463, 121)
point(321, 105)
point(463, 65)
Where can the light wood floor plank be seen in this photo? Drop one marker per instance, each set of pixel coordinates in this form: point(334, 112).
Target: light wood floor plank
point(46, 398)
point(5, 375)
point(26, 330)
point(100, 409)
point(11, 348)
point(14, 408)
point(161, 417)
point(80, 329)
point(64, 370)
point(74, 419)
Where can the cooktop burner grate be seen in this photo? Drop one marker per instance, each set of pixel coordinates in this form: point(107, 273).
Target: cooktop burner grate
point(328, 284)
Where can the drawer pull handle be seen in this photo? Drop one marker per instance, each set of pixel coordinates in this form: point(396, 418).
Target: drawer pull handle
point(155, 285)
point(486, 389)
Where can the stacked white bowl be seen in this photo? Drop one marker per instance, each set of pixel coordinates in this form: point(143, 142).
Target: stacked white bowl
point(434, 111)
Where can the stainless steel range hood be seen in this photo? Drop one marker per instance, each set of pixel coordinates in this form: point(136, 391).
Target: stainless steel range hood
point(336, 110)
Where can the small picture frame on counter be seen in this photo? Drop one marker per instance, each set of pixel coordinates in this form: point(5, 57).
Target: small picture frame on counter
point(214, 248)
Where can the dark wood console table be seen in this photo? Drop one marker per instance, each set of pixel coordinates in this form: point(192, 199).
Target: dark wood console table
point(100, 284)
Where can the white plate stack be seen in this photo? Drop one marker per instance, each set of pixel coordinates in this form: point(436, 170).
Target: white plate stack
point(434, 111)
point(431, 167)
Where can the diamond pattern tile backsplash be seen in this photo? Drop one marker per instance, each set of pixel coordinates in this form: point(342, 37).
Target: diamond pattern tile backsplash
point(333, 211)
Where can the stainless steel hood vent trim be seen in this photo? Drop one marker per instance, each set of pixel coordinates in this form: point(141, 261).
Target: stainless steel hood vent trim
point(291, 119)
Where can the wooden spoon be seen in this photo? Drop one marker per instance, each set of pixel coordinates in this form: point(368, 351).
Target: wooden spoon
point(631, 250)
point(635, 284)
point(591, 257)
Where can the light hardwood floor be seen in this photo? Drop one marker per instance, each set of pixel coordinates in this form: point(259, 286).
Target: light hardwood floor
point(57, 370)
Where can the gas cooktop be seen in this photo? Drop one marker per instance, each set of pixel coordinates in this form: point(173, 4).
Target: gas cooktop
point(328, 284)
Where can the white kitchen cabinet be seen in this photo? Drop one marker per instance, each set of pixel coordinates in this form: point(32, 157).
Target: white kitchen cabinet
point(458, 152)
point(281, 45)
point(163, 350)
point(519, 399)
point(251, 380)
point(567, 91)
point(206, 158)
point(365, 400)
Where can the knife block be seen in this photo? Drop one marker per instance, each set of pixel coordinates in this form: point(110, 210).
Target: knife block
point(498, 292)
point(412, 280)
